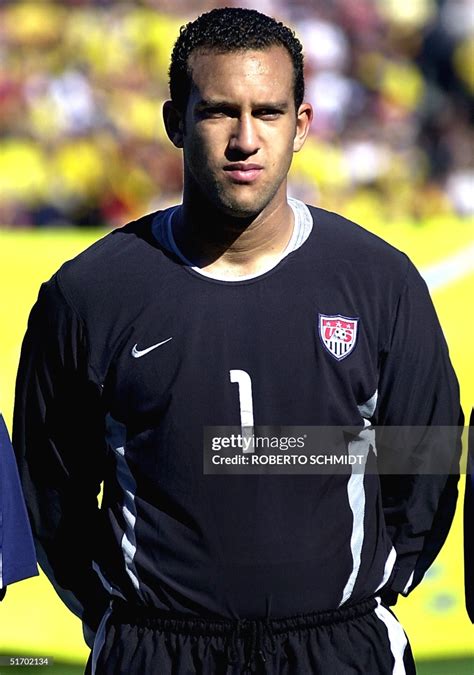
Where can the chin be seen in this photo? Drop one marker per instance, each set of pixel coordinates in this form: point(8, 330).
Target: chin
point(240, 208)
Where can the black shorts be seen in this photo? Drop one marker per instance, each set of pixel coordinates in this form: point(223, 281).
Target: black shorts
point(365, 639)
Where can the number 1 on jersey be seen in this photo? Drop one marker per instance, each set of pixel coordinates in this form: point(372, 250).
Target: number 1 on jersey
point(242, 379)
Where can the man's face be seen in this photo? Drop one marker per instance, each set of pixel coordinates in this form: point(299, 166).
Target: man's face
point(241, 128)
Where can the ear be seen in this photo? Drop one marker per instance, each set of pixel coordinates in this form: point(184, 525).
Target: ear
point(303, 122)
point(173, 120)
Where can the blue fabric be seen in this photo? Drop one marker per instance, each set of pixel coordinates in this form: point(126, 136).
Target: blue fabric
point(469, 524)
point(17, 553)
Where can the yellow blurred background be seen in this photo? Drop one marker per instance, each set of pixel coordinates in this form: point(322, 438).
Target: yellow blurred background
point(81, 144)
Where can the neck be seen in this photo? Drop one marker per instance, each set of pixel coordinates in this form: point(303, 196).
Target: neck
point(235, 246)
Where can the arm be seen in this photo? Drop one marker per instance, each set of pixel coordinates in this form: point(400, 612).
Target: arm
point(17, 555)
point(469, 523)
point(418, 388)
point(59, 441)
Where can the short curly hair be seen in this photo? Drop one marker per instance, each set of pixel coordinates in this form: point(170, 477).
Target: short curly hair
point(231, 29)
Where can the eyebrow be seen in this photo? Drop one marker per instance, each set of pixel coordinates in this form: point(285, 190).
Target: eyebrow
point(222, 103)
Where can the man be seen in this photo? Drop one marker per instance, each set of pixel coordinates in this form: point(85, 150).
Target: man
point(17, 553)
point(469, 523)
point(237, 308)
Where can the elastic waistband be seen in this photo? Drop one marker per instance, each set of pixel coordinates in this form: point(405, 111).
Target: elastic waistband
point(162, 620)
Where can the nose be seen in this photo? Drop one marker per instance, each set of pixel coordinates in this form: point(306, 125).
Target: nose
point(244, 138)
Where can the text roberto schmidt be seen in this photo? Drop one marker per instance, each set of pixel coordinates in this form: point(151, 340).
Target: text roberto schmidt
point(289, 460)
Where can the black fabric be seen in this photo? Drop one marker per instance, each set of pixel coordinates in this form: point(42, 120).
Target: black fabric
point(235, 546)
point(349, 641)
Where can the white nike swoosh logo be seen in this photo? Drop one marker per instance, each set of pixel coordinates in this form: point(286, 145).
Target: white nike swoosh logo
point(137, 353)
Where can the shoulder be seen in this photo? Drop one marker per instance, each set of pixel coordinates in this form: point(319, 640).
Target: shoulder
point(338, 238)
point(111, 268)
point(121, 246)
point(349, 238)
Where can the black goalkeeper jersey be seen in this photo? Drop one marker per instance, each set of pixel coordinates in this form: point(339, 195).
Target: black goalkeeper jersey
point(129, 354)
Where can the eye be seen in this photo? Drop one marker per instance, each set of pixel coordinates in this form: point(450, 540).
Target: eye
point(218, 112)
point(213, 112)
point(268, 114)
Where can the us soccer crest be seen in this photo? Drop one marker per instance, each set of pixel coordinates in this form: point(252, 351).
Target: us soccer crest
point(338, 334)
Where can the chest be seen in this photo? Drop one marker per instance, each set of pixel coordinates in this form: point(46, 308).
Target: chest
point(290, 351)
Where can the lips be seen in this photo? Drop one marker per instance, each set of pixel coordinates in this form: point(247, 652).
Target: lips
point(243, 173)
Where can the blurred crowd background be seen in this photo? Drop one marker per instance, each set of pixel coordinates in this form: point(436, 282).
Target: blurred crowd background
point(82, 83)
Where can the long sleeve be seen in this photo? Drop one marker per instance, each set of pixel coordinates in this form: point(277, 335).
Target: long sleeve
point(469, 523)
point(418, 392)
point(17, 555)
point(59, 441)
